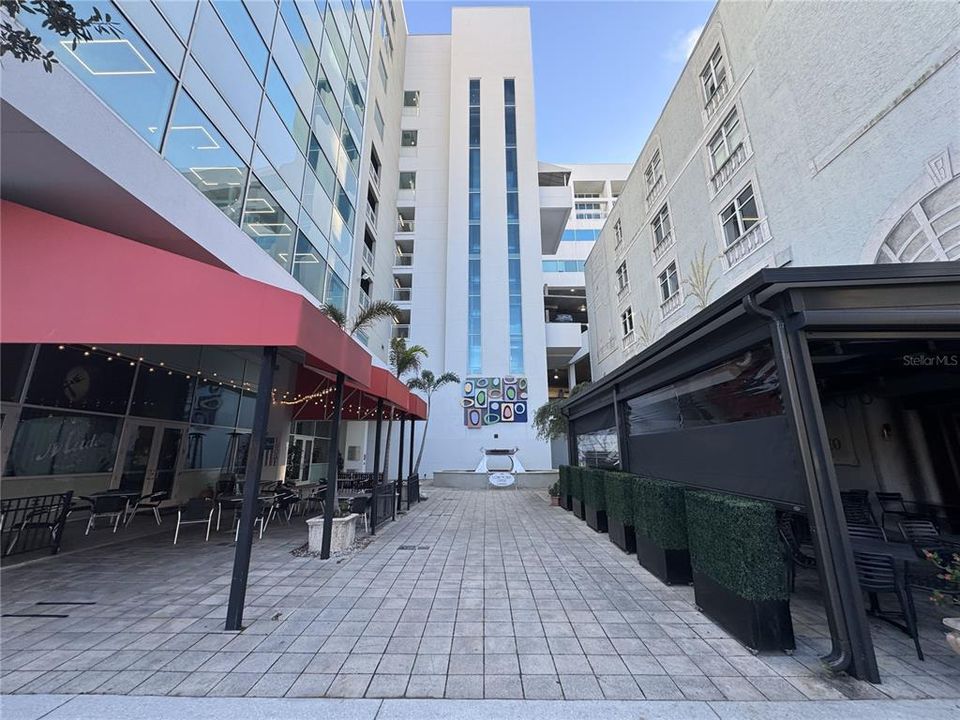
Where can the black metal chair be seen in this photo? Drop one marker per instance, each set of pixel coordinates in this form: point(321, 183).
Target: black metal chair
point(262, 518)
point(195, 511)
point(866, 532)
point(924, 535)
point(878, 575)
point(892, 503)
point(111, 506)
point(283, 504)
point(856, 507)
point(150, 503)
point(360, 504)
point(45, 519)
point(793, 553)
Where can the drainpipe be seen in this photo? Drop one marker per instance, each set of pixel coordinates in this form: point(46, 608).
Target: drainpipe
point(852, 646)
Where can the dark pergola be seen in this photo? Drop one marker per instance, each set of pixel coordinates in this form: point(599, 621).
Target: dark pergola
point(786, 308)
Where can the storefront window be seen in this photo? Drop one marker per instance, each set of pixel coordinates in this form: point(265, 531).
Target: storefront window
point(14, 366)
point(80, 380)
point(211, 447)
point(599, 449)
point(63, 443)
point(163, 394)
point(215, 404)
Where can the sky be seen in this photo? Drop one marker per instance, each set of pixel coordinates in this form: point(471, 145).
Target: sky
point(603, 70)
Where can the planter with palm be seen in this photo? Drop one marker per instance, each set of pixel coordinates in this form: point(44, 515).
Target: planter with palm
point(428, 383)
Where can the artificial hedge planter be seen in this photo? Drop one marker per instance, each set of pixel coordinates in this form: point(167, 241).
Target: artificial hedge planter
point(576, 490)
point(620, 489)
point(660, 527)
point(594, 498)
point(566, 500)
point(739, 575)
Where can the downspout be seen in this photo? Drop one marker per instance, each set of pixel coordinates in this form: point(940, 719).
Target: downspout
point(833, 554)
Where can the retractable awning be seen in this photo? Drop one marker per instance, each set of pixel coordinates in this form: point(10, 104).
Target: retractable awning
point(313, 397)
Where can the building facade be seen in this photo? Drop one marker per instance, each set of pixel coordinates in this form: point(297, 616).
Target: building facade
point(787, 141)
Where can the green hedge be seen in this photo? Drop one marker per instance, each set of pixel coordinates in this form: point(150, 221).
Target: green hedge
point(563, 480)
point(659, 513)
point(620, 489)
point(593, 492)
point(734, 541)
point(576, 482)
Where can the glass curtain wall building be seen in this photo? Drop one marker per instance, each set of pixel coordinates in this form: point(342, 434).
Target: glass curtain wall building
point(474, 337)
point(259, 105)
point(513, 227)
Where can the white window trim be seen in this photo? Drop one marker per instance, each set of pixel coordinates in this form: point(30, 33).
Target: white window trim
point(623, 280)
point(659, 249)
point(624, 317)
point(750, 241)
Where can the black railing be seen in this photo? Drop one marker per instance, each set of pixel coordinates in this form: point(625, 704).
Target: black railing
point(384, 504)
point(413, 489)
point(360, 481)
point(33, 523)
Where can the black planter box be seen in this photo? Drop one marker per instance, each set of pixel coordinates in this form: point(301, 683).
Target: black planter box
point(622, 535)
point(670, 566)
point(566, 502)
point(578, 508)
point(596, 519)
point(759, 624)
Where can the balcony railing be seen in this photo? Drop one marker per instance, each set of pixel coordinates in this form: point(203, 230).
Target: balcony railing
point(661, 247)
point(671, 304)
point(401, 294)
point(364, 300)
point(403, 260)
point(368, 256)
point(371, 215)
point(729, 167)
point(714, 102)
point(757, 236)
point(401, 331)
point(375, 176)
point(655, 189)
point(405, 226)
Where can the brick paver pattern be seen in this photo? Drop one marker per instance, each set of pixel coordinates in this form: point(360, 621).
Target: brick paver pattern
point(473, 594)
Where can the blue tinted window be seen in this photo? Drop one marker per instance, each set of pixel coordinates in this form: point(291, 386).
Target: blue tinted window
point(235, 16)
point(300, 36)
point(309, 269)
point(267, 224)
point(286, 107)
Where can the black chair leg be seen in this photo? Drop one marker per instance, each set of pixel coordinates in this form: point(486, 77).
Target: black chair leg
point(874, 603)
point(910, 616)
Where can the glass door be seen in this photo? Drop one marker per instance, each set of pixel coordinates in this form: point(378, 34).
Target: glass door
point(167, 460)
point(152, 457)
point(136, 457)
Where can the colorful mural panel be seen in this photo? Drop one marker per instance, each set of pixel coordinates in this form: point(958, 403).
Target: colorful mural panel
point(492, 400)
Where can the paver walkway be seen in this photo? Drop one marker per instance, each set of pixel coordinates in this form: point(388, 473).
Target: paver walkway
point(489, 594)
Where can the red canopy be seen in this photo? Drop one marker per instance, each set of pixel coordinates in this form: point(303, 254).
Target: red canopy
point(314, 397)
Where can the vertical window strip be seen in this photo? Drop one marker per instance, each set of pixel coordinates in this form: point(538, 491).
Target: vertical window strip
point(513, 228)
point(474, 344)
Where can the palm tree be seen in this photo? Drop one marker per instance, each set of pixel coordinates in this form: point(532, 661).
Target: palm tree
point(379, 310)
point(403, 360)
point(428, 383)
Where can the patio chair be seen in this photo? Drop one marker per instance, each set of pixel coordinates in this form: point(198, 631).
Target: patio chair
point(892, 503)
point(262, 518)
point(195, 511)
point(46, 518)
point(877, 574)
point(111, 506)
point(284, 504)
point(924, 535)
point(360, 504)
point(151, 503)
point(866, 532)
point(856, 507)
point(793, 553)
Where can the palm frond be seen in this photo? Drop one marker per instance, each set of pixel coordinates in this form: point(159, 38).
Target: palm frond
point(336, 314)
point(447, 377)
point(379, 310)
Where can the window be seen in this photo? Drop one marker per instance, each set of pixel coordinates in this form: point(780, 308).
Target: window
point(618, 232)
point(513, 227)
point(654, 172)
point(378, 119)
point(589, 211)
point(661, 227)
point(739, 216)
point(725, 141)
point(408, 180)
point(626, 322)
point(563, 265)
point(383, 72)
point(411, 98)
point(474, 338)
point(408, 138)
point(669, 283)
point(714, 76)
point(623, 282)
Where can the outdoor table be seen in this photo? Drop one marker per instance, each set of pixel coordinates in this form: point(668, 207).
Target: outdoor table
point(901, 552)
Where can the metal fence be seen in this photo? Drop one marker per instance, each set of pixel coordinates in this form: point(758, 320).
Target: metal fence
point(413, 489)
point(33, 523)
point(384, 504)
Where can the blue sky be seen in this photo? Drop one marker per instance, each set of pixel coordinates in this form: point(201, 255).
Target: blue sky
point(603, 69)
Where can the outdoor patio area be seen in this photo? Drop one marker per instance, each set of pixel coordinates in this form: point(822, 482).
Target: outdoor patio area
point(473, 594)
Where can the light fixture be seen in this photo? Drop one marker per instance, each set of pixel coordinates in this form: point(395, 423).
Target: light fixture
point(212, 144)
point(106, 51)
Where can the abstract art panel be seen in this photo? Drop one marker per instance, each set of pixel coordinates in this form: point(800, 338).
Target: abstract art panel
point(492, 400)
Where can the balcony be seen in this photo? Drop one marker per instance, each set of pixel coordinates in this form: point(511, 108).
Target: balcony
point(716, 99)
point(368, 257)
point(402, 294)
point(757, 236)
point(400, 331)
point(375, 177)
point(563, 336)
point(372, 215)
point(402, 261)
point(654, 192)
point(661, 248)
point(364, 300)
point(405, 225)
point(671, 304)
point(729, 167)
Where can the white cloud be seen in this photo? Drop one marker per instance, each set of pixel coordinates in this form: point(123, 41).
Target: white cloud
point(683, 44)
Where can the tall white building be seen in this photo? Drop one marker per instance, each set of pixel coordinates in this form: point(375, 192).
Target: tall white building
point(788, 140)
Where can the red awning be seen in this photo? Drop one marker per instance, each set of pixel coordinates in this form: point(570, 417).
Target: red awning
point(313, 397)
point(62, 282)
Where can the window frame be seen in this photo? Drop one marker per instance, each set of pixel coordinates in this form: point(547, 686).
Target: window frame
point(655, 165)
point(659, 220)
point(709, 73)
point(723, 136)
point(669, 273)
point(623, 278)
point(626, 322)
point(737, 206)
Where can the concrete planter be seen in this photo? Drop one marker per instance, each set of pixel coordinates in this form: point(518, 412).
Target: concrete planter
point(343, 535)
point(555, 500)
point(953, 633)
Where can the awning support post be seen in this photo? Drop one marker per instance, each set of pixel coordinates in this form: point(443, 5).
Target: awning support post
point(571, 444)
point(376, 467)
point(852, 649)
point(331, 498)
point(251, 491)
point(412, 433)
point(623, 436)
point(403, 425)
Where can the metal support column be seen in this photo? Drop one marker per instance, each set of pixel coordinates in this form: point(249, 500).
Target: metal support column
point(376, 467)
point(571, 444)
point(412, 433)
point(403, 425)
point(331, 497)
point(251, 491)
point(852, 645)
point(623, 437)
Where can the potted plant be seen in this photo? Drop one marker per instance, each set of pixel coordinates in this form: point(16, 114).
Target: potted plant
point(739, 573)
point(620, 489)
point(660, 529)
point(563, 483)
point(949, 595)
point(576, 491)
point(554, 491)
point(594, 499)
point(344, 531)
